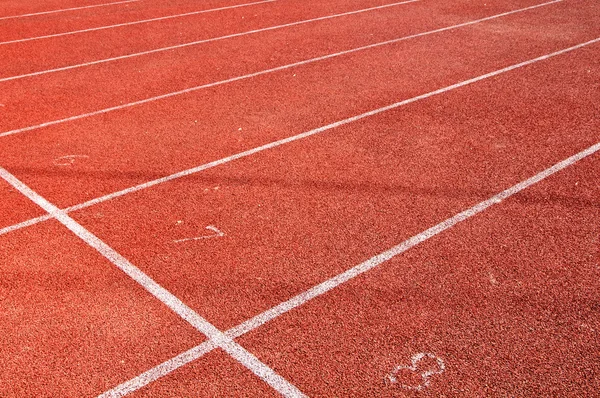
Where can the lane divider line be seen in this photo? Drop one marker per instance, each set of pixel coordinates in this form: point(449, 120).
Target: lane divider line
point(217, 337)
point(264, 72)
point(66, 9)
point(197, 352)
point(287, 140)
point(198, 42)
point(142, 21)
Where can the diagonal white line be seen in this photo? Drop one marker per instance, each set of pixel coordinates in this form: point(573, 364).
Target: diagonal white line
point(263, 72)
point(286, 306)
point(25, 224)
point(142, 21)
point(284, 141)
point(66, 9)
point(215, 335)
point(160, 370)
point(318, 290)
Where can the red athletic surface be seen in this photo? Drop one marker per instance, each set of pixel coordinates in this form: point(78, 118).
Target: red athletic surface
point(215, 375)
point(72, 325)
point(296, 215)
point(507, 299)
point(132, 146)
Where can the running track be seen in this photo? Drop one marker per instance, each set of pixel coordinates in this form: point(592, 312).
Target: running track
point(300, 198)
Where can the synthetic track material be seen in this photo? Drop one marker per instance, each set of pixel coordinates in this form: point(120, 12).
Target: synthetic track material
point(132, 23)
point(66, 9)
point(262, 240)
point(299, 300)
point(163, 295)
point(259, 73)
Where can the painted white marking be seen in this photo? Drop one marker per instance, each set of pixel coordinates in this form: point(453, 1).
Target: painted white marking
point(318, 290)
point(416, 367)
point(267, 71)
point(297, 137)
point(215, 335)
point(198, 42)
point(68, 160)
point(159, 371)
point(66, 9)
point(25, 224)
point(142, 21)
point(217, 234)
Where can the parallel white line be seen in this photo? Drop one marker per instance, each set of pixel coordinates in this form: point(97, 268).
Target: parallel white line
point(142, 21)
point(264, 72)
point(198, 42)
point(287, 140)
point(197, 352)
point(217, 337)
point(66, 9)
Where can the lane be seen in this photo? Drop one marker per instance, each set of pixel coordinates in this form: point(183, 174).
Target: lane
point(99, 22)
point(252, 233)
point(71, 325)
point(25, 14)
point(506, 300)
point(74, 49)
point(194, 43)
point(138, 145)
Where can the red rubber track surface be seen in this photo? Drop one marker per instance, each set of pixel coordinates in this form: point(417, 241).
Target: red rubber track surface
point(132, 145)
point(60, 22)
point(17, 7)
point(72, 325)
point(300, 214)
point(14, 207)
point(42, 54)
point(506, 300)
point(216, 375)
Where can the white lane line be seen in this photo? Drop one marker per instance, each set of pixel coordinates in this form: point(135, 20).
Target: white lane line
point(297, 137)
point(215, 335)
point(159, 371)
point(172, 364)
point(198, 42)
point(263, 72)
point(66, 9)
point(142, 21)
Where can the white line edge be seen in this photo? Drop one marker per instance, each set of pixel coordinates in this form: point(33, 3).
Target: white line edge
point(65, 9)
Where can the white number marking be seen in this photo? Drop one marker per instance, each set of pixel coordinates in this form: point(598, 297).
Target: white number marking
point(217, 234)
point(415, 367)
point(68, 160)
